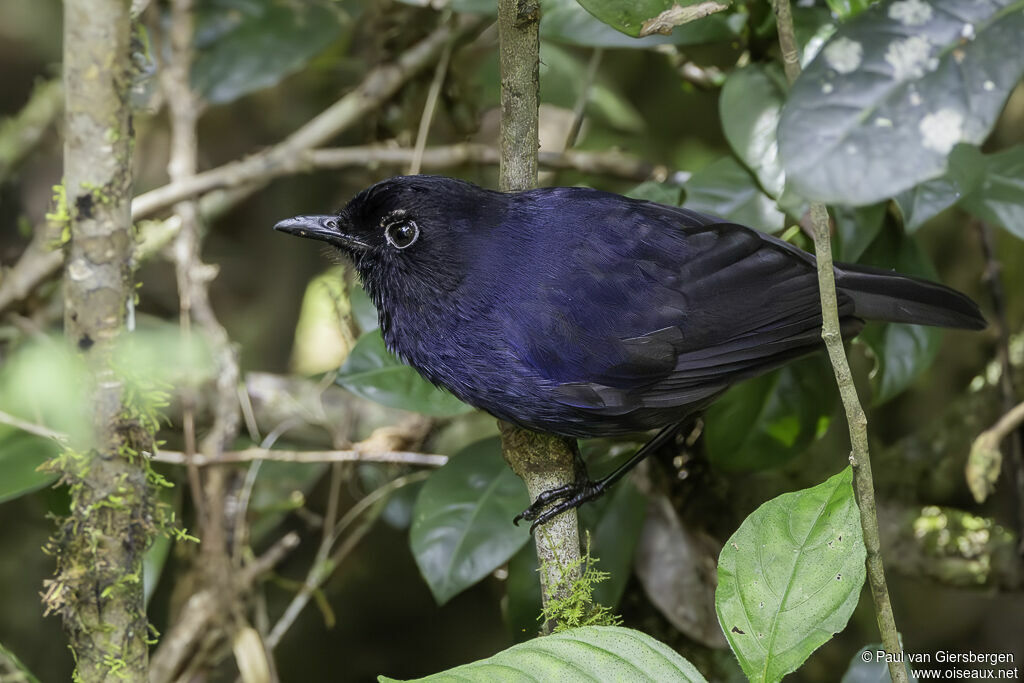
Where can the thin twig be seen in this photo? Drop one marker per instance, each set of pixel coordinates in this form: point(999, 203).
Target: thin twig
point(31, 427)
point(428, 107)
point(580, 109)
point(221, 187)
point(325, 566)
point(254, 454)
point(855, 417)
point(20, 133)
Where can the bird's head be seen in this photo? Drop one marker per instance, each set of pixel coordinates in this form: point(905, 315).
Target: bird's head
point(407, 236)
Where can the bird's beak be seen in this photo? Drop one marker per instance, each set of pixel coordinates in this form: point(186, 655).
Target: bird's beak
point(323, 228)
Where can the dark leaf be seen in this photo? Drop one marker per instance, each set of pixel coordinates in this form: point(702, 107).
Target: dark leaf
point(677, 569)
point(20, 456)
point(521, 607)
point(790, 577)
point(614, 522)
point(901, 352)
point(246, 45)
point(373, 373)
point(749, 106)
point(765, 421)
point(893, 91)
point(726, 189)
point(927, 200)
point(462, 523)
point(999, 197)
point(857, 228)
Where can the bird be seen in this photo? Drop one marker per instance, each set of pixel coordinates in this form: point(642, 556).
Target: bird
point(584, 313)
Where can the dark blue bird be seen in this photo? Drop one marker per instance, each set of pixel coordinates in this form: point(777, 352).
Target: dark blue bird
point(585, 313)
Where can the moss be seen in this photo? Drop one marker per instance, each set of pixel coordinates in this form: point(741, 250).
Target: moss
point(577, 607)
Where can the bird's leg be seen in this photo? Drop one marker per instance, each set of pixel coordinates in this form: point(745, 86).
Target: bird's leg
point(557, 500)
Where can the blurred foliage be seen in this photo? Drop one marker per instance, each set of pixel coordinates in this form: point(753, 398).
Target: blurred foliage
point(908, 119)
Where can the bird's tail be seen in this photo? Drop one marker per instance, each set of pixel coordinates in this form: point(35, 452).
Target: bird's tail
point(891, 297)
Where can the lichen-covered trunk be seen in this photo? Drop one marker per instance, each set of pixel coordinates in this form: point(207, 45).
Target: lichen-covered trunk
point(97, 589)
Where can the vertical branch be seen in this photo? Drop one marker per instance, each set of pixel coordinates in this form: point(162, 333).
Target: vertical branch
point(863, 484)
point(543, 461)
point(98, 585)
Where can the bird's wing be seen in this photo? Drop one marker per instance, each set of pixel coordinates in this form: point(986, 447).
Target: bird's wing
point(697, 309)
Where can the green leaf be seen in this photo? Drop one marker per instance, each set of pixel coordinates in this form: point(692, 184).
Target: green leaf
point(749, 106)
point(857, 228)
point(901, 352)
point(635, 18)
point(614, 522)
point(768, 420)
point(521, 607)
point(893, 91)
point(595, 653)
point(373, 373)
point(726, 189)
point(999, 198)
point(565, 21)
point(462, 524)
point(246, 45)
point(790, 577)
point(927, 200)
point(874, 670)
point(20, 456)
point(12, 670)
point(845, 9)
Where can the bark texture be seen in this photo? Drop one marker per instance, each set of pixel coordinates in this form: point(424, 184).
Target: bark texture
point(98, 585)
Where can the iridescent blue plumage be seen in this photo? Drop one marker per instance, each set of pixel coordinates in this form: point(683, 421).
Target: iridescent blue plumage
point(584, 313)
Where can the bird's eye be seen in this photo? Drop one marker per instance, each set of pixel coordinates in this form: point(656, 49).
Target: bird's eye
point(402, 234)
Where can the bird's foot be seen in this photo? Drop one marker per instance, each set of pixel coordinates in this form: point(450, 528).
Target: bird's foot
point(555, 501)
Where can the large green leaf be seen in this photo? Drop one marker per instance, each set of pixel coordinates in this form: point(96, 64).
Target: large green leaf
point(901, 352)
point(894, 90)
point(640, 17)
point(591, 653)
point(749, 106)
point(564, 21)
point(372, 372)
point(726, 189)
point(790, 577)
point(246, 45)
point(20, 456)
point(999, 197)
point(462, 523)
point(765, 421)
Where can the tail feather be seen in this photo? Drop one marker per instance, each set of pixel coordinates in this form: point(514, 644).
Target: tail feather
point(891, 297)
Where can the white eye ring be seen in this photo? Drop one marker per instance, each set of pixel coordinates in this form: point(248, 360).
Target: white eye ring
point(402, 233)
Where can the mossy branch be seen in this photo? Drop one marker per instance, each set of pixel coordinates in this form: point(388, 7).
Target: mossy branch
point(855, 417)
point(97, 588)
point(543, 461)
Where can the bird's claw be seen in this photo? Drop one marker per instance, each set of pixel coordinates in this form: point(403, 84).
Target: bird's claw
point(547, 505)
